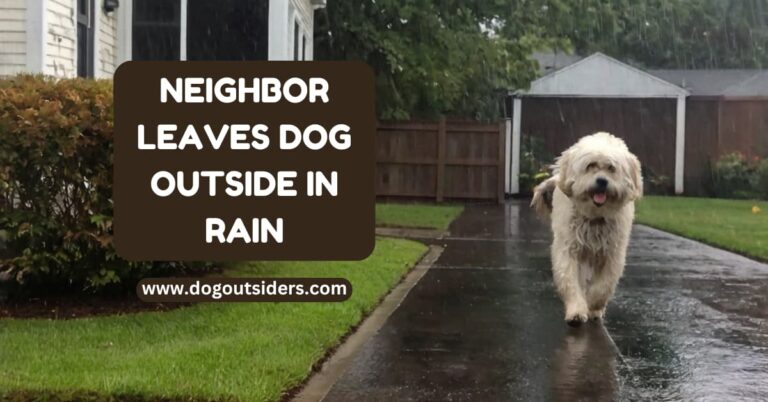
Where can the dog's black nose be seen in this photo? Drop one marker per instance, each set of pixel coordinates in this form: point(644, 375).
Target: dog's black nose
point(601, 182)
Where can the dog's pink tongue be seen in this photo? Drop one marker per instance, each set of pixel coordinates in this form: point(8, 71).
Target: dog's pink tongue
point(599, 198)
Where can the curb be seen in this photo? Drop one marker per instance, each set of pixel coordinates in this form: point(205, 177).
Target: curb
point(321, 382)
point(410, 233)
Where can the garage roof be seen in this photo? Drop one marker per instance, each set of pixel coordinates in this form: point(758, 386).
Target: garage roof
point(603, 76)
point(731, 82)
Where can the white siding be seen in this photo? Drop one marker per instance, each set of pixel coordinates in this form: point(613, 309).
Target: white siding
point(56, 52)
point(61, 39)
point(13, 33)
point(106, 48)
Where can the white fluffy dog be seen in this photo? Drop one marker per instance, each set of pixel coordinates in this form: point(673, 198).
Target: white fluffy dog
point(590, 199)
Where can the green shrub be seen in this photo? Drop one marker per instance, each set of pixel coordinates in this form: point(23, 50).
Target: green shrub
point(535, 161)
point(657, 184)
point(761, 179)
point(56, 187)
point(734, 177)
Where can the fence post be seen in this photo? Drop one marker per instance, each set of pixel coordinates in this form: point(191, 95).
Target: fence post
point(501, 171)
point(517, 116)
point(439, 191)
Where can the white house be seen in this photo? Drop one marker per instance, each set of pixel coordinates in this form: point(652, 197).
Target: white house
point(90, 38)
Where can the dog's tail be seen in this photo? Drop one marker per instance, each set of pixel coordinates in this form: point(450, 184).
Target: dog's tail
point(542, 196)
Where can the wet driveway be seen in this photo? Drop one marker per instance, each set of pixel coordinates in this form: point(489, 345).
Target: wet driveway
point(689, 322)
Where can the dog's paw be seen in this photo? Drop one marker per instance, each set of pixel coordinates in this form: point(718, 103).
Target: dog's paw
point(576, 319)
point(597, 314)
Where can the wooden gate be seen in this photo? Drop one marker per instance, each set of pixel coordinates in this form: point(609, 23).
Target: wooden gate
point(440, 160)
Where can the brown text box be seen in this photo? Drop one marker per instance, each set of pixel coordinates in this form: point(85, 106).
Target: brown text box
point(149, 227)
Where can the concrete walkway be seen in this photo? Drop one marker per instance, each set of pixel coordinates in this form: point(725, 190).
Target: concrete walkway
point(689, 322)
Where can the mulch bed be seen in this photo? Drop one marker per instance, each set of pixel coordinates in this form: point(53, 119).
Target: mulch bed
point(66, 307)
point(91, 396)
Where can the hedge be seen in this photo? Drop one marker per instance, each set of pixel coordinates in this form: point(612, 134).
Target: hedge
point(56, 188)
point(736, 177)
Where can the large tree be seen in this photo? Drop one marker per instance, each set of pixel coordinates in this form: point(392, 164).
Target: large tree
point(666, 33)
point(434, 56)
point(455, 57)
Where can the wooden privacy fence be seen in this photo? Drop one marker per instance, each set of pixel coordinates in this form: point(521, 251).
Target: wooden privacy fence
point(444, 159)
point(714, 126)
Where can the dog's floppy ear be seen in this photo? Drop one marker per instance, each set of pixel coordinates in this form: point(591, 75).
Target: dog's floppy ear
point(636, 175)
point(562, 167)
point(542, 197)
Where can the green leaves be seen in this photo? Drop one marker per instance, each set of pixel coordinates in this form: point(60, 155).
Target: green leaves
point(433, 57)
point(457, 57)
point(56, 187)
point(667, 33)
point(736, 177)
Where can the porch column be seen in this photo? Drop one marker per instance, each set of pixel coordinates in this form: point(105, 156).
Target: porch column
point(124, 32)
point(514, 184)
point(680, 145)
point(507, 155)
point(279, 30)
point(183, 30)
point(35, 36)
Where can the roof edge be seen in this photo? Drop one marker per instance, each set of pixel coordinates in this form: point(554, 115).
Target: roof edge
point(677, 88)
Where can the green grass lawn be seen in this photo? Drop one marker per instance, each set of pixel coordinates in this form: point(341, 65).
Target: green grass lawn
point(417, 215)
point(729, 224)
point(219, 351)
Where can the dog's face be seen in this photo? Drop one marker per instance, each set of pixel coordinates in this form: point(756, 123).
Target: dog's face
point(599, 174)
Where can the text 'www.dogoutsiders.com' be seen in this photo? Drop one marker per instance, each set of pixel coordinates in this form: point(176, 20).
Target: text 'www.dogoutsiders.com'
point(244, 289)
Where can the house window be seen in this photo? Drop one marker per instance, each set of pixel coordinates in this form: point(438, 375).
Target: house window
point(214, 30)
point(296, 33)
point(156, 29)
point(85, 52)
point(227, 29)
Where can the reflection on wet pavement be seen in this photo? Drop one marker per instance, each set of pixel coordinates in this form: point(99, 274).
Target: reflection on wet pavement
point(689, 322)
point(584, 367)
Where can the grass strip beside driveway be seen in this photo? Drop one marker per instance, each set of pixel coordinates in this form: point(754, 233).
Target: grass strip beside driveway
point(209, 351)
point(424, 216)
point(729, 224)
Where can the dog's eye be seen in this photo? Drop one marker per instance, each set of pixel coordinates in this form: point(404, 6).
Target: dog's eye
point(611, 168)
point(592, 166)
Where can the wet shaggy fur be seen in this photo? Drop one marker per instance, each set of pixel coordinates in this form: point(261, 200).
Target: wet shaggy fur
point(590, 200)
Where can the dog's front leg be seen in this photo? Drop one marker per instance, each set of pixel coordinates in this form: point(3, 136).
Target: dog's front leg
point(601, 289)
point(565, 269)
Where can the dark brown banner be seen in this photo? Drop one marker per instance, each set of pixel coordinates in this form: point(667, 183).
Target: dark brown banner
point(163, 290)
point(244, 160)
